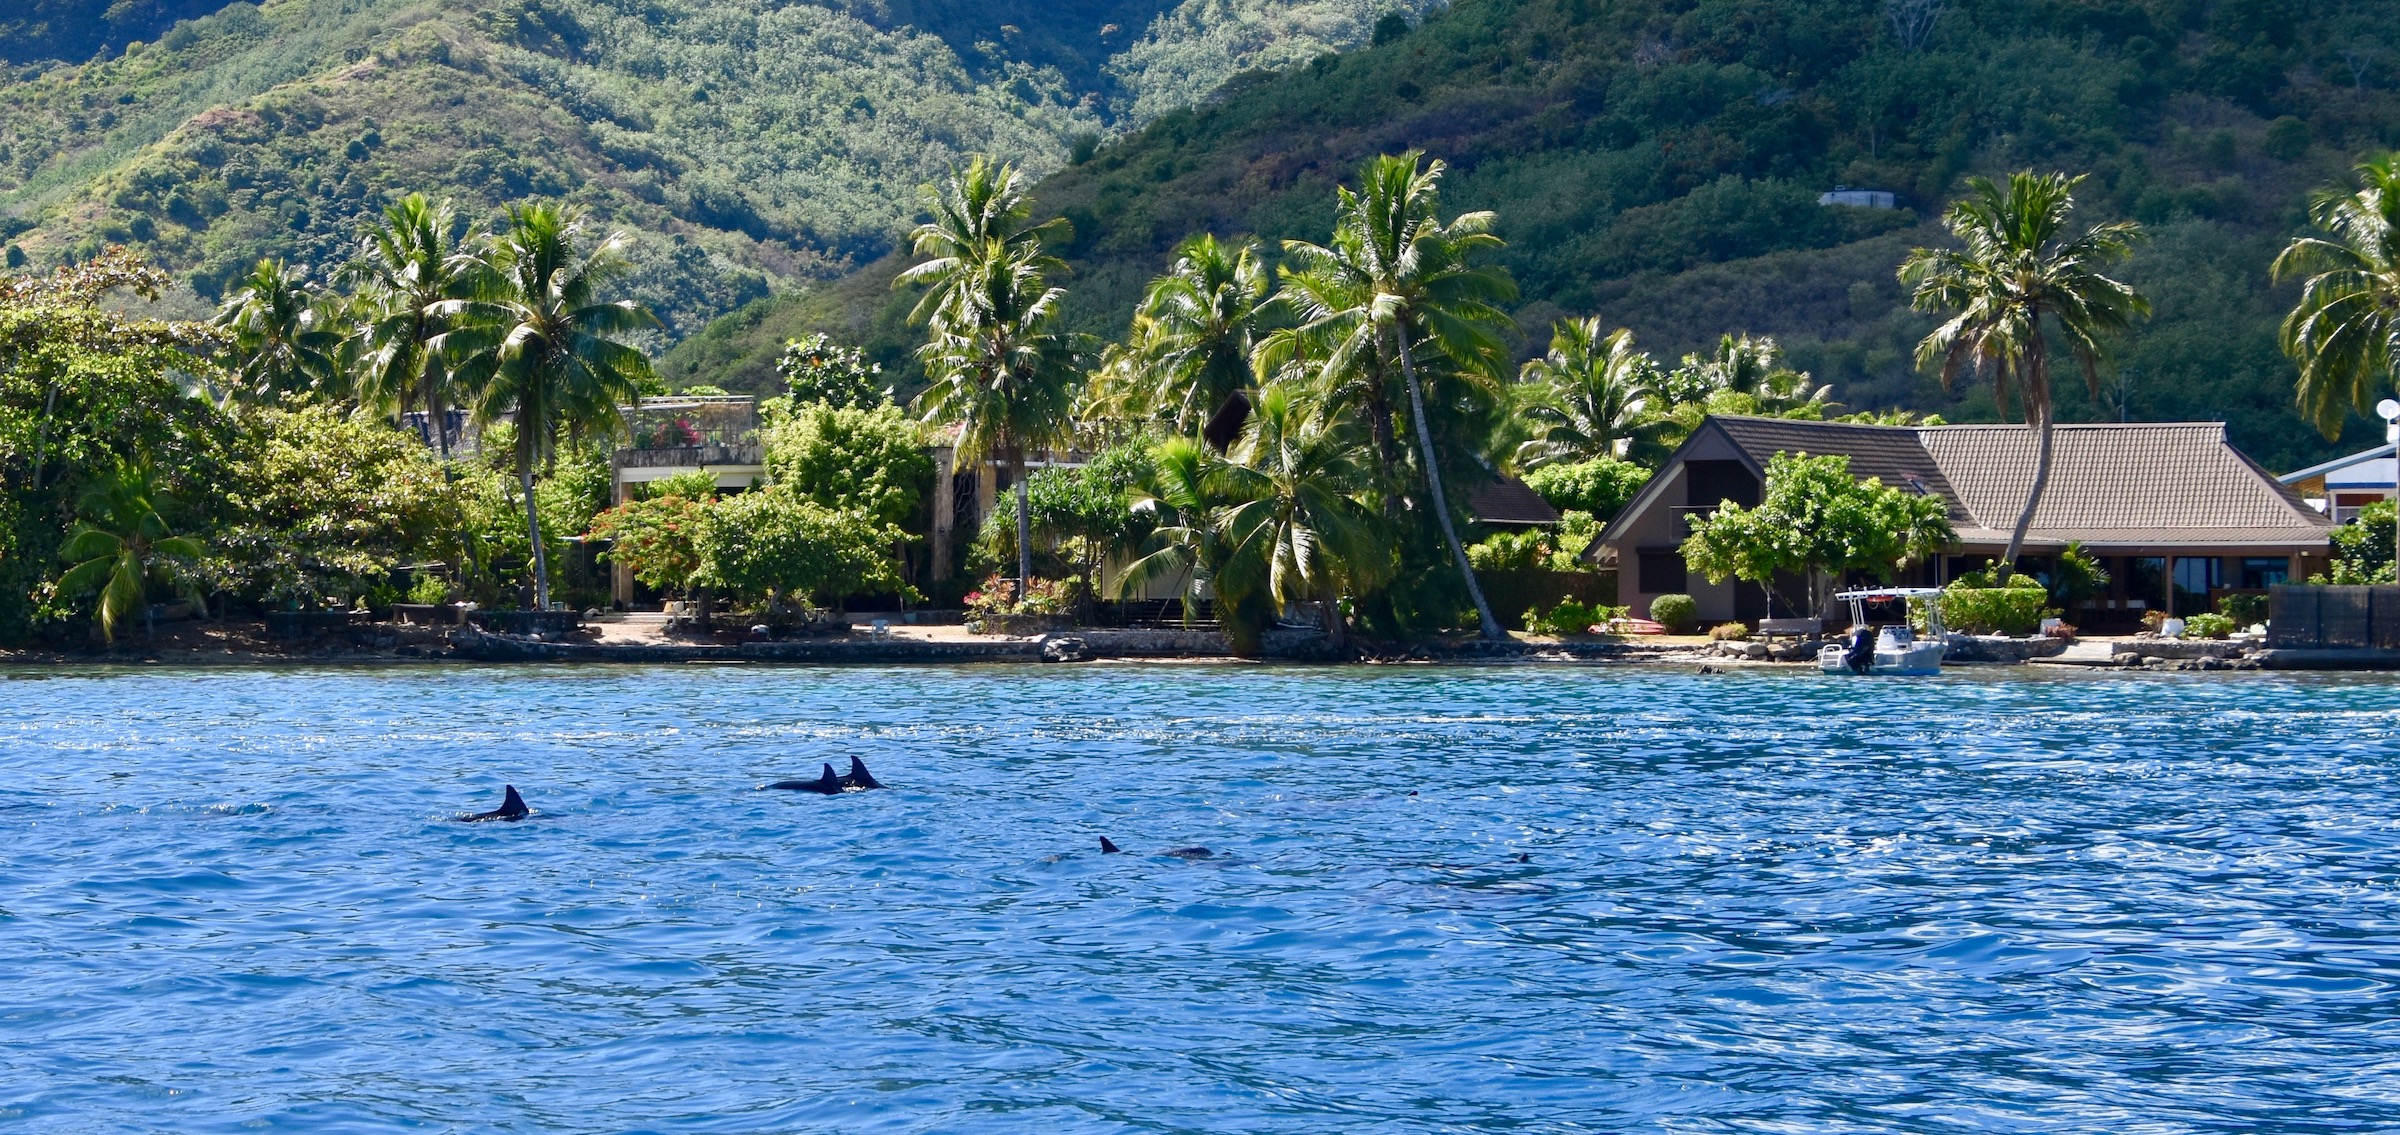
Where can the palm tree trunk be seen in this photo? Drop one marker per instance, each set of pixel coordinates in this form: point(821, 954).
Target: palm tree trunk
point(533, 526)
point(1024, 528)
point(1441, 501)
point(2033, 497)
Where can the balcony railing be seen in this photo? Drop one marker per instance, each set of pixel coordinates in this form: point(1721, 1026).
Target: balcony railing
point(695, 422)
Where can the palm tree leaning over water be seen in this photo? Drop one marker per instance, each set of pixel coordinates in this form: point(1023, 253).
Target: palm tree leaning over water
point(1590, 391)
point(2345, 331)
point(1001, 369)
point(1395, 281)
point(2021, 277)
point(537, 343)
point(409, 262)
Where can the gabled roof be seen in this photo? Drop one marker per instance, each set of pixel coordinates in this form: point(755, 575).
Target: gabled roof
point(2126, 485)
point(1509, 501)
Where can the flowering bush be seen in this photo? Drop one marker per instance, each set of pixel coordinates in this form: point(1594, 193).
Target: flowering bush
point(1569, 617)
point(1042, 597)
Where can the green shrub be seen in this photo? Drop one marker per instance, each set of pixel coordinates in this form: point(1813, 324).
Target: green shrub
point(2013, 610)
point(1569, 617)
point(2207, 626)
point(429, 589)
point(2244, 610)
point(1678, 613)
point(1730, 632)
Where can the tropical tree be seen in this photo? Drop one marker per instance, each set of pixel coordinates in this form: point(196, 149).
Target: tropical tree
point(1750, 365)
point(1589, 394)
point(538, 345)
point(1396, 281)
point(2022, 278)
point(285, 337)
point(409, 263)
point(119, 544)
point(1295, 514)
point(1003, 372)
point(1193, 335)
point(1178, 499)
point(1814, 523)
point(2345, 331)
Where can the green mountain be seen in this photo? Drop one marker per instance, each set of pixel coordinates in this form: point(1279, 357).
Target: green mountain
point(1660, 162)
point(751, 145)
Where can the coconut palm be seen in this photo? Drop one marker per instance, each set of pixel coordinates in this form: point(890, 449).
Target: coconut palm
point(1002, 370)
point(1589, 393)
point(538, 345)
point(1395, 282)
point(1193, 334)
point(1181, 492)
point(2345, 331)
point(2021, 278)
point(285, 337)
point(119, 544)
point(1296, 516)
point(409, 262)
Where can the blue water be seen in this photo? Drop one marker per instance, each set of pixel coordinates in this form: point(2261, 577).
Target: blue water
point(1999, 901)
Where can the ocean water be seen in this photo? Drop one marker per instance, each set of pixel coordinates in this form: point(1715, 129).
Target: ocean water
point(1540, 899)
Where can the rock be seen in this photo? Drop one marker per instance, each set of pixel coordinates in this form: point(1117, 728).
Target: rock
point(1754, 651)
point(1065, 648)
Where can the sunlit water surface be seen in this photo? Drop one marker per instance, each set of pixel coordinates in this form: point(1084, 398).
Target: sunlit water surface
point(2000, 901)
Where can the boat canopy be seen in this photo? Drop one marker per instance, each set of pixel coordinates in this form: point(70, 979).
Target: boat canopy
point(1890, 593)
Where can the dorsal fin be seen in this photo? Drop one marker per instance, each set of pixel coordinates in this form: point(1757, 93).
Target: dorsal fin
point(512, 804)
point(1107, 848)
point(859, 777)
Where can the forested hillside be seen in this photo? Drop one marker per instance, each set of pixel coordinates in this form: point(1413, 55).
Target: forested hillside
point(753, 146)
point(1659, 162)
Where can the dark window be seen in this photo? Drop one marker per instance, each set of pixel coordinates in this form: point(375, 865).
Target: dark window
point(1661, 572)
point(1707, 483)
point(2146, 580)
point(2258, 574)
point(2195, 577)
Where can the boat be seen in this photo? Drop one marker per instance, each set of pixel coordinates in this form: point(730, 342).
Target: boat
point(1899, 649)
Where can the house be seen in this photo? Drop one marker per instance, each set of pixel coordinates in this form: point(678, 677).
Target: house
point(2342, 486)
point(1859, 198)
point(2174, 512)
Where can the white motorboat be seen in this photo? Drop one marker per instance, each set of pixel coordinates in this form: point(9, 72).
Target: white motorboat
point(1898, 648)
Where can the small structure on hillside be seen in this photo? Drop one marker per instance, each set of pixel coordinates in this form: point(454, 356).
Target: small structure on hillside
point(1859, 198)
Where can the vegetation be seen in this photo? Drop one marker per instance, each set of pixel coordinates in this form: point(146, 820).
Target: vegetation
point(2022, 279)
point(2365, 545)
point(2206, 625)
point(120, 544)
point(2015, 607)
point(772, 544)
point(1677, 612)
point(816, 369)
point(1816, 522)
point(1570, 618)
point(2344, 329)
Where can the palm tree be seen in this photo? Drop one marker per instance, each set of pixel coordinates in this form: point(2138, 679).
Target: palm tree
point(410, 262)
point(117, 545)
point(1181, 493)
point(2345, 331)
point(1395, 280)
point(1001, 369)
point(1193, 334)
point(1590, 392)
point(536, 343)
point(1297, 517)
point(284, 336)
point(2020, 278)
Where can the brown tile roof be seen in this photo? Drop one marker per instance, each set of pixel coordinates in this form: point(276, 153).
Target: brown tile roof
point(1509, 501)
point(2123, 485)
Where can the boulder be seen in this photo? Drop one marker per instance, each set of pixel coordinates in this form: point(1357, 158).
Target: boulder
point(1065, 648)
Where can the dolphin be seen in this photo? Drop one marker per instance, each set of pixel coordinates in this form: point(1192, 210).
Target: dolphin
point(859, 779)
point(1189, 853)
point(827, 784)
point(1107, 848)
point(511, 808)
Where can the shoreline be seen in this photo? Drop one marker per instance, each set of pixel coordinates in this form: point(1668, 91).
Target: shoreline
point(245, 644)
